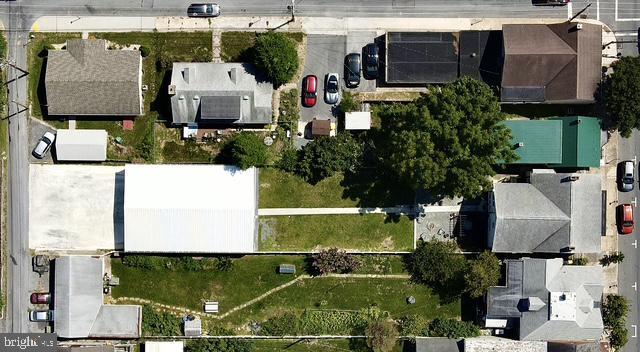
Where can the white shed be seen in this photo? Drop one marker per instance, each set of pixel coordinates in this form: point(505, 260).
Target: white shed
point(81, 145)
point(358, 120)
point(164, 346)
point(189, 209)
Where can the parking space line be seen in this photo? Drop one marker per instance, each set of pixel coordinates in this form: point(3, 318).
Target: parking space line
point(635, 201)
point(635, 244)
point(635, 286)
point(635, 331)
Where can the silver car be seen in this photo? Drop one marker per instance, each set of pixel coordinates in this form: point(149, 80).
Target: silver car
point(41, 315)
point(332, 88)
point(44, 144)
point(203, 10)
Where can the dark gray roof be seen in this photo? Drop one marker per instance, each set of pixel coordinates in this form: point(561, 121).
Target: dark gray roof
point(421, 57)
point(480, 55)
point(88, 79)
point(538, 278)
point(215, 93)
point(573, 347)
point(437, 344)
point(547, 215)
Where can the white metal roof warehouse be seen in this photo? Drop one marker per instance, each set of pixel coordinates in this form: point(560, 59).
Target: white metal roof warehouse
point(190, 209)
point(81, 145)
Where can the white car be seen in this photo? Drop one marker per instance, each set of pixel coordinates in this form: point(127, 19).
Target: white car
point(44, 144)
point(332, 88)
point(41, 315)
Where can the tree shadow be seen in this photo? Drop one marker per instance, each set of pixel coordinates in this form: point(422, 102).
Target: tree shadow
point(41, 90)
point(162, 101)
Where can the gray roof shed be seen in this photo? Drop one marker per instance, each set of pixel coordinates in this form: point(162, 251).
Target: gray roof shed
point(571, 298)
point(216, 93)
point(88, 79)
point(78, 303)
point(552, 213)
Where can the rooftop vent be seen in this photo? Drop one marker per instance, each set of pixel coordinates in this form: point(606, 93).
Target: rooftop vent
point(196, 97)
point(233, 75)
point(574, 178)
point(579, 26)
point(172, 89)
point(519, 144)
point(187, 73)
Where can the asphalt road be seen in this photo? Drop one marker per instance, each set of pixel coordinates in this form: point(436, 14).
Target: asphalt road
point(628, 274)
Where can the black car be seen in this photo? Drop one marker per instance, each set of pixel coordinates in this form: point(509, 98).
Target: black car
point(352, 66)
point(203, 10)
point(550, 2)
point(371, 59)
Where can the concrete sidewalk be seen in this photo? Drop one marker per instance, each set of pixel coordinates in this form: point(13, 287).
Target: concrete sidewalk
point(402, 209)
point(610, 240)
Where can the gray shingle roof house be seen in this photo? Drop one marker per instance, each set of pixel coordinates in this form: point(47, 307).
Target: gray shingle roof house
point(552, 213)
point(88, 79)
point(219, 94)
point(78, 303)
point(548, 301)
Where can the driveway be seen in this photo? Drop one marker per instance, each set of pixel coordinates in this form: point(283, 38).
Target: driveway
point(76, 207)
point(36, 130)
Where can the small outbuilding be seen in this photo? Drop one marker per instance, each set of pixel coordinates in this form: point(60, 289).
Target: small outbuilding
point(81, 145)
point(193, 327)
point(357, 120)
point(164, 346)
point(320, 128)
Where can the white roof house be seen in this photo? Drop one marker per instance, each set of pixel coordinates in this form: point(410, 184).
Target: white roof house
point(357, 120)
point(81, 145)
point(215, 213)
point(78, 303)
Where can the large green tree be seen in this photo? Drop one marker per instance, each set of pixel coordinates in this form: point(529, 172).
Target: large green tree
point(246, 150)
point(622, 95)
point(277, 56)
point(436, 262)
point(325, 156)
point(483, 273)
point(448, 140)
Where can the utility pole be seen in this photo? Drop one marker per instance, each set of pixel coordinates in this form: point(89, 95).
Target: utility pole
point(4, 62)
point(292, 7)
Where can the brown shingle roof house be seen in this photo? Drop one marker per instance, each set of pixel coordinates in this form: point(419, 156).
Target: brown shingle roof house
point(88, 79)
point(553, 63)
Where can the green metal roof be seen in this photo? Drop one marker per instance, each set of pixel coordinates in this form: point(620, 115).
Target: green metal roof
point(581, 141)
point(541, 141)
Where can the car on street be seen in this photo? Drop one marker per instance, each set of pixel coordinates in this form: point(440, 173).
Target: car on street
point(40, 298)
point(352, 66)
point(41, 315)
point(371, 61)
point(44, 144)
point(332, 88)
point(203, 10)
point(624, 218)
point(626, 176)
point(550, 2)
point(309, 91)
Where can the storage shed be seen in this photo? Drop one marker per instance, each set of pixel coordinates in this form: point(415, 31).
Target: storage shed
point(81, 145)
point(358, 120)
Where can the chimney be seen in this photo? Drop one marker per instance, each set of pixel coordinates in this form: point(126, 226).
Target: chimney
point(233, 75)
point(519, 144)
point(172, 89)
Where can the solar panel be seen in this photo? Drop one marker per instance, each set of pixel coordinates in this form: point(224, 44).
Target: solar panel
point(221, 107)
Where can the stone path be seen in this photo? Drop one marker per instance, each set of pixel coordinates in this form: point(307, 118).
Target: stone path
point(215, 46)
point(181, 311)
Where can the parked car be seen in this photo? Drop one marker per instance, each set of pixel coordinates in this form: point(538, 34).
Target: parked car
point(332, 88)
point(44, 144)
point(309, 91)
point(550, 2)
point(41, 315)
point(40, 298)
point(626, 176)
point(352, 65)
point(625, 218)
point(371, 60)
point(203, 10)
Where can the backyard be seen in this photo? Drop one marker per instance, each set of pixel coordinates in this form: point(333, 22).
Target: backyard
point(312, 299)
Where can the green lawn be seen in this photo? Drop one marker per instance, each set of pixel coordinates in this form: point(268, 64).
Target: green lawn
point(355, 345)
point(236, 46)
point(371, 232)
point(279, 189)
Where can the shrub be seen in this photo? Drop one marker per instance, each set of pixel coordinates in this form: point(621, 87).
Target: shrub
point(144, 51)
point(608, 259)
point(247, 150)
point(452, 328)
point(283, 324)
point(580, 261)
point(277, 56)
point(289, 160)
point(483, 273)
point(334, 261)
point(156, 323)
point(436, 263)
point(219, 345)
point(177, 264)
point(381, 336)
point(618, 335)
point(348, 103)
point(414, 325)
point(325, 156)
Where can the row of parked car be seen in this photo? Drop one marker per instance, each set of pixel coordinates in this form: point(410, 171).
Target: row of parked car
point(352, 69)
point(624, 212)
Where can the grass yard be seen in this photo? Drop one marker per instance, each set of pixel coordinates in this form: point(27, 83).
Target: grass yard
point(236, 46)
point(371, 232)
point(356, 345)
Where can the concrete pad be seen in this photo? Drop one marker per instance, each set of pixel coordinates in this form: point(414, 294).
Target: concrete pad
point(76, 207)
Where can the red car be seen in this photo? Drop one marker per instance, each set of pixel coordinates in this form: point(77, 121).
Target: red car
point(40, 298)
point(625, 218)
point(309, 91)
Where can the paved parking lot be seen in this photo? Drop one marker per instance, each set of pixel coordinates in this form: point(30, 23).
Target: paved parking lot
point(325, 54)
point(36, 130)
point(76, 207)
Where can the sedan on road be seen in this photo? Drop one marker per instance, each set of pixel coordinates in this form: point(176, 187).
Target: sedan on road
point(309, 91)
point(203, 10)
point(626, 176)
point(332, 88)
point(41, 315)
point(40, 298)
point(44, 144)
point(624, 218)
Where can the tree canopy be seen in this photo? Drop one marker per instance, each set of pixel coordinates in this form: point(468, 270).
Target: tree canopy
point(436, 262)
point(325, 156)
point(247, 150)
point(452, 328)
point(622, 95)
point(448, 140)
point(277, 56)
point(483, 273)
point(381, 336)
